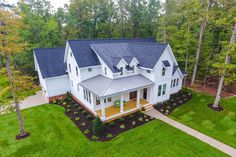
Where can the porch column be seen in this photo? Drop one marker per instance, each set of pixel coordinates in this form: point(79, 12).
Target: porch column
point(93, 101)
point(103, 116)
point(122, 103)
point(138, 98)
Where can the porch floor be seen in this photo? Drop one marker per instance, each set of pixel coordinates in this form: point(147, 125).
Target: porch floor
point(112, 110)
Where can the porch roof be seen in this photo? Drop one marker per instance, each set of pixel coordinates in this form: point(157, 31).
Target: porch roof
point(103, 86)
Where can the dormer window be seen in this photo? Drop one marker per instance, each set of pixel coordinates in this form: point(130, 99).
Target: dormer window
point(121, 69)
point(163, 71)
point(90, 69)
point(149, 71)
point(133, 67)
point(105, 69)
point(71, 54)
point(77, 72)
point(69, 68)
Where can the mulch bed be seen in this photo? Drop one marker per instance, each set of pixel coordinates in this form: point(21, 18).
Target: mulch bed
point(219, 108)
point(19, 137)
point(83, 120)
point(175, 101)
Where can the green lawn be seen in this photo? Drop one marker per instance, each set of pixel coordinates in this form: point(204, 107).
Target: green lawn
point(53, 134)
point(219, 125)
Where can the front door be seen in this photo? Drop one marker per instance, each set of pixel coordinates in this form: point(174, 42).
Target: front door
point(133, 95)
point(145, 93)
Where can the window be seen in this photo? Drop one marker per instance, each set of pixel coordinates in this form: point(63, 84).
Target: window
point(109, 99)
point(164, 89)
point(90, 69)
point(71, 83)
point(133, 67)
point(97, 101)
point(171, 84)
point(77, 72)
point(149, 71)
point(89, 95)
point(69, 68)
point(71, 54)
point(84, 94)
point(177, 82)
point(159, 90)
point(121, 73)
point(174, 83)
point(105, 69)
point(105, 101)
point(163, 71)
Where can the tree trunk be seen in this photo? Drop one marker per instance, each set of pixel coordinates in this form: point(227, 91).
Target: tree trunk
point(10, 76)
point(202, 30)
point(164, 23)
point(227, 59)
point(187, 54)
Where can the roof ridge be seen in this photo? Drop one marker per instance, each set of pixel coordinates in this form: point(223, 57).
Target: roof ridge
point(91, 39)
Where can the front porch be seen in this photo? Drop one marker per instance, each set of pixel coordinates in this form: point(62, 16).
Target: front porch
point(113, 111)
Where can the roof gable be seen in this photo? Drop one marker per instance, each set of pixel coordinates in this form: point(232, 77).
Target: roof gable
point(50, 61)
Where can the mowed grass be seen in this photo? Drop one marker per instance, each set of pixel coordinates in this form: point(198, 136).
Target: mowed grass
point(53, 134)
point(219, 125)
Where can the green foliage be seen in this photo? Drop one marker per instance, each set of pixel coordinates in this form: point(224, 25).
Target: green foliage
point(122, 126)
point(121, 119)
point(98, 126)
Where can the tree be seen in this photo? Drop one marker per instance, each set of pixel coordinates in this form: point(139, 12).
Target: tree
point(98, 126)
point(201, 34)
point(11, 44)
point(227, 61)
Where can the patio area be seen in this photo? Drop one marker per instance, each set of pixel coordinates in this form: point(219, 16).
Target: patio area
point(128, 106)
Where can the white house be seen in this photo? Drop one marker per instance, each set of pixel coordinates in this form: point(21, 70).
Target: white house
point(110, 77)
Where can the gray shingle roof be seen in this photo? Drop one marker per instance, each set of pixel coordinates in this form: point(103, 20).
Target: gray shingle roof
point(85, 56)
point(50, 61)
point(103, 86)
point(147, 53)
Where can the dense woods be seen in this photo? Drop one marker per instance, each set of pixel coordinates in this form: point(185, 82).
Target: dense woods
point(198, 31)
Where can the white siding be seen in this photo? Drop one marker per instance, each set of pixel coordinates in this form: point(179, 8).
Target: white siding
point(57, 85)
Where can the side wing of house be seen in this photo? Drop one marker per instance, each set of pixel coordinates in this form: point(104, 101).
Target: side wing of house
point(163, 76)
point(53, 78)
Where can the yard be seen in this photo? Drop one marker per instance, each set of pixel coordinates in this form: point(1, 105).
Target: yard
point(219, 125)
point(54, 134)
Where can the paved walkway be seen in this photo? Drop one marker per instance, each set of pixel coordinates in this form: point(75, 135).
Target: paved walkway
point(35, 100)
point(211, 141)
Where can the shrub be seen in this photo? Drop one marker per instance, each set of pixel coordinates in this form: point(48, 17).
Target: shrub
point(75, 113)
point(80, 108)
point(121, 119)
point(89, 117)
point(133, 122)
point(86, 131)
point(64, 103)
point(95, 138)
point(77, 118)
point(140, 119)
point(82, 124)
point(84, 112)
point(180, 101)
point(68, 110)
point(112, 123)
point(146, 120)
point(109, 135)
point(68, 96)
point(54, 101)
point(122, 126)
point(68, 106)
point(98, 126)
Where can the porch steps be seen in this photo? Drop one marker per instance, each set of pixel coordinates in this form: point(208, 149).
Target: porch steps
point(148, 107)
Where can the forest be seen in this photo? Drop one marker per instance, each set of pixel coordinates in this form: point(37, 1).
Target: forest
point(199, 32)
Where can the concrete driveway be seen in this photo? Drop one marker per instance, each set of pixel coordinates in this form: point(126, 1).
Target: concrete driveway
point(35, 100)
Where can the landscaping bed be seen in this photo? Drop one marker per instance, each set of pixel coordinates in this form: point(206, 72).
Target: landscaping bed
point(175, 101)
point(83, 119)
